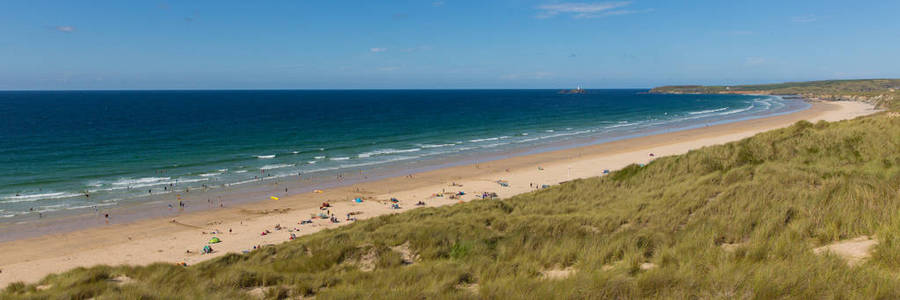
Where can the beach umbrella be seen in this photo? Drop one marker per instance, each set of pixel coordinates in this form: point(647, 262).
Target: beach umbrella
point(273, 198)
point(214, 240)
point(317, 191)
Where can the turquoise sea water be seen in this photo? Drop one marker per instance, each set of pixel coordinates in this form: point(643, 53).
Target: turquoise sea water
point(72, 150)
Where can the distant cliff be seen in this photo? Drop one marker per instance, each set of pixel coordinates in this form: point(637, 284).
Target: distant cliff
point(883, 93)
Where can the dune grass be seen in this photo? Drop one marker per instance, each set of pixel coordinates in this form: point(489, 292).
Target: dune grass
point(732, 221)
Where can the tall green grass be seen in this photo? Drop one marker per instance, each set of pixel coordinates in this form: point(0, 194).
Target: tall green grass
point(775, 196)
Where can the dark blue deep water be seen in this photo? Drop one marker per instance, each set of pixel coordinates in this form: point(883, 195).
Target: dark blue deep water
point(55, 147)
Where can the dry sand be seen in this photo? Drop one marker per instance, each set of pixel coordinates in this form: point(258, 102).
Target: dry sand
point(166, 240)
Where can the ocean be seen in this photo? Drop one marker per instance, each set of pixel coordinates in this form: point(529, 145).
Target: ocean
point(71, 151)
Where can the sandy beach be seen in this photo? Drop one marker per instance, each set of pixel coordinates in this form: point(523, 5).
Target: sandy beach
point(240, 228)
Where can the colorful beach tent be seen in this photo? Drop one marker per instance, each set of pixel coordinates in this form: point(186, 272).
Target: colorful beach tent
point(358, 200)
point(214, 240)
point(273, 198)
point(317, 191)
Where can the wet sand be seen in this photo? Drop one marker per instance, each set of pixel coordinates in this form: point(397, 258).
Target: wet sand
point(167, 239)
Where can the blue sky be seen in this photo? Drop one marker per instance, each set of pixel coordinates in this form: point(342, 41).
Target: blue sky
point(440, 44)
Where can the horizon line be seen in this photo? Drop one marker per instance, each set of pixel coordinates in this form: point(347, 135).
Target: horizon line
point(309, 89)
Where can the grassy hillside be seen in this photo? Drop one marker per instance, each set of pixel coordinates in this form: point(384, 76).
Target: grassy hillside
point(882, 92)
point(736, 220)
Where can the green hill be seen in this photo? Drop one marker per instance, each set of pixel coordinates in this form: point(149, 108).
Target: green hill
point(881, 92)
point(735, 220)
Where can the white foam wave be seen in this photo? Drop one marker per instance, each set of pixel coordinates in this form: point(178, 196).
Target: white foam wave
point(241, 182)
point(428, 146)
point(145, 180)
point(707, 111)
point(265, 156)
point(240, 171)
point(340, 158)
point(321, 169)
point(620, 125)
point(379, 162)
point(276, 166)
point(736, 111)
point(319, 157)
point(565, 134)
point(494, 145)
point(209, 174)
point(36, 197)
point(489, 139)
point(49, 208)
point(386, 152)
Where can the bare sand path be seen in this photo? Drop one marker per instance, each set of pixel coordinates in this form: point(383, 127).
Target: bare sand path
point(239, 228)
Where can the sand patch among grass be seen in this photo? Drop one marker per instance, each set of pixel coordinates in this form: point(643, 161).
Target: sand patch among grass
point(405, 253)
point(854, 251)
point(555, 274)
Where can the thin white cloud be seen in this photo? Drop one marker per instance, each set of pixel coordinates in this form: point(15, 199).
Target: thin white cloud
point(804, 19)
point(376, 50)
point(620, 12)
point(753, 61)
point(66, 29)
point(583, 10)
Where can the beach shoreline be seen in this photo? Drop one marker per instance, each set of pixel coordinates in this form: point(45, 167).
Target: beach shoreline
point(240, 227)
point(212, 192)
